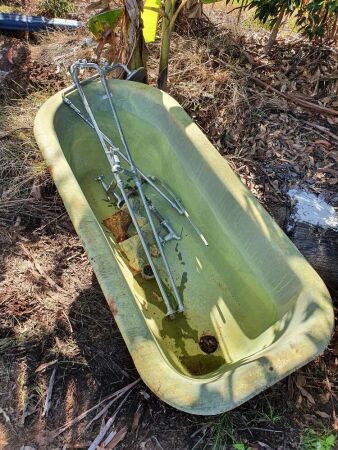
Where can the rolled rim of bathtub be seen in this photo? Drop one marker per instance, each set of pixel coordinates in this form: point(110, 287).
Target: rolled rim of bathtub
point(196, 395)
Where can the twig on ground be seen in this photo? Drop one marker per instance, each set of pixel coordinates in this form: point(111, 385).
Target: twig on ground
point(85, 413)
point(292, 98)
point(50, 222)
point(112, 441)
point(137, 417)
point(39, 269)
point(103, 410)
point(99, 438)
point(68, 321)
point(269, 430)
point(44, 366)
point(49, 394)
point(322, 129)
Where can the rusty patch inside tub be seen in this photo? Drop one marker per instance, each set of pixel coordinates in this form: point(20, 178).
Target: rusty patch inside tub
point(118, 224)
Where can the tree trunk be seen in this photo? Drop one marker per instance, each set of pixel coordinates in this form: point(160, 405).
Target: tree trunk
point(138, 58)
point(275, 30)
point(165, 44)
point(318, 246)
point(134, 45)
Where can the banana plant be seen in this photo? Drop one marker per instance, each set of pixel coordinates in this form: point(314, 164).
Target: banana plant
point(169, 10)
point(102, 26)
point(120, 27)
point(128, 25)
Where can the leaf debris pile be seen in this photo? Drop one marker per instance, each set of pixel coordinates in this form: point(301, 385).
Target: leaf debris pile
point(272, 142)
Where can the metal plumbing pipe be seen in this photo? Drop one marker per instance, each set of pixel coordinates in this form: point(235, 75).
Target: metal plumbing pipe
point(114, 162)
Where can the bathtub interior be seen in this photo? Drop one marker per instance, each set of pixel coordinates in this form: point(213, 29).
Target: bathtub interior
point(242, 288)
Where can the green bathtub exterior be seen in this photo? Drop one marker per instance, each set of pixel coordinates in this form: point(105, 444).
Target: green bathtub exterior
point(250, 288)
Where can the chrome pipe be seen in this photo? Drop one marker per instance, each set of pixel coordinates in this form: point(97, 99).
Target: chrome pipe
point(115, 164)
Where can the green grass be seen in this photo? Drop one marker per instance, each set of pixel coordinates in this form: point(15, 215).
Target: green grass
point(317, 440)
point(240, 447)
point(16, 121)
point(221, 433)
point(267, 414)
point(21, 162)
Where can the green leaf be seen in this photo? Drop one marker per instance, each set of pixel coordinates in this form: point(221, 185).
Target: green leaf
point(150, 16)
point(100, 23)
point(239, 447)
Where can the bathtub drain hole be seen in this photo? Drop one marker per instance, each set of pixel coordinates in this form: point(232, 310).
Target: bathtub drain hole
point(208, 344)
point(147, 272)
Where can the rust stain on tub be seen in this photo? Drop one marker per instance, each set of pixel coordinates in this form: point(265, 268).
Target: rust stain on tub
point(112, 306)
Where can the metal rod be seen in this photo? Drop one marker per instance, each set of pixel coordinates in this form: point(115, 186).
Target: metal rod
point(110, 143)
point(114, 162)
point(140, 190)
point(149, 179)
point(170, 231)
point(115, 170)
point(184, 211)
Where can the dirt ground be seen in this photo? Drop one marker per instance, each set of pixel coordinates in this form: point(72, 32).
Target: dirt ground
point(55, 322)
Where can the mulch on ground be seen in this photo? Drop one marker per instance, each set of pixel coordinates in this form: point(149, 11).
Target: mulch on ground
point(52, 312)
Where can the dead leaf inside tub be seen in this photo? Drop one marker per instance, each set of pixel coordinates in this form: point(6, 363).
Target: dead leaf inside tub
point(118, 224)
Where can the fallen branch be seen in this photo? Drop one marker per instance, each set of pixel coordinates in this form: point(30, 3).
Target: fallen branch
point(291, 98)
point(103, 410)
point(93, 408)
point(322, 129)
point(99, 438)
